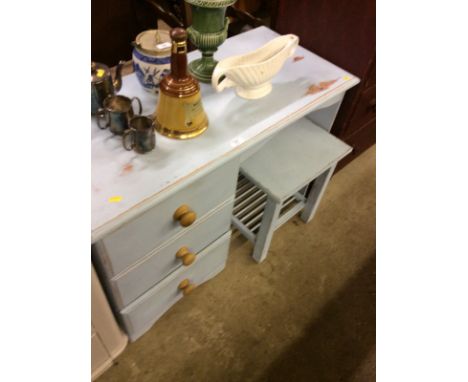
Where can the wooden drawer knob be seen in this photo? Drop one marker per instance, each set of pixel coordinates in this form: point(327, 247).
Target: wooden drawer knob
point(186, 256)
point(186, 287)
point(185, 215)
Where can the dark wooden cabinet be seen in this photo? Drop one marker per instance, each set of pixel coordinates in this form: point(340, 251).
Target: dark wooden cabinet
point(116, 23)
point(343, 32)
point(113, 27)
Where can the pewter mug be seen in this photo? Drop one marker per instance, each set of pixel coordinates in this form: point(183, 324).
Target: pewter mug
point(141, 135)
point(116, 113)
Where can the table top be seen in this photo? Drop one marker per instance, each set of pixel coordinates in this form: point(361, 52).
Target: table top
point(125, 184)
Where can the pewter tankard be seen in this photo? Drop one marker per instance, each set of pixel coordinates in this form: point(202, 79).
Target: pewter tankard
point(116, 113)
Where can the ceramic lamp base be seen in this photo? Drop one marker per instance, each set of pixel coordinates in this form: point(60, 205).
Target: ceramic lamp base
point(256, 92)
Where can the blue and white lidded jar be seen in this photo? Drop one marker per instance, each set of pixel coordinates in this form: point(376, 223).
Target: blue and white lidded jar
point(152, 58)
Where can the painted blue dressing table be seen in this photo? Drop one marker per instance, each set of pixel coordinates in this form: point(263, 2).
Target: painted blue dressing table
point(143, 254)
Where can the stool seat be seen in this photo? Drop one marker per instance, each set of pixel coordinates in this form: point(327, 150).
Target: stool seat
point(293, 158)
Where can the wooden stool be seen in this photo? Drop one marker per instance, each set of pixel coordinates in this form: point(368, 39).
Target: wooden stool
point(287, 175)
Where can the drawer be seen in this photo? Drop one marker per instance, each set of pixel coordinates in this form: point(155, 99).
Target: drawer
point(135, 281)
point(141, 314)
point(126, 245)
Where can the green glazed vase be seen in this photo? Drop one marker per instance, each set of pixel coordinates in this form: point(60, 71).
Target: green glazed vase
point(207, 32)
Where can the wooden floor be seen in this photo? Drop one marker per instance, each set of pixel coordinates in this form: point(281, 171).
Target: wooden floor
point(307, 313)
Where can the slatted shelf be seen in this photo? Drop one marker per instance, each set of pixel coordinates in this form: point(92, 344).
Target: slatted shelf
point(249, 206)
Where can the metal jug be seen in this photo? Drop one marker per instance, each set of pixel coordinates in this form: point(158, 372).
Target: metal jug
point(102, 84)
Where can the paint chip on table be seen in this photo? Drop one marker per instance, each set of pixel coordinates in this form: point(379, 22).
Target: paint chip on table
point(115, 199)
point(128, 168)
point(316, 88)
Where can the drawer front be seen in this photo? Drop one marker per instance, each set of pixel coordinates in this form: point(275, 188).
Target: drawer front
point(140, 315)
point(127, 286)
point(141, 236)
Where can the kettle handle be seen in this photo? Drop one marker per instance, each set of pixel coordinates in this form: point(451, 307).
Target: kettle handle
point(219, 81)
point(117, 82)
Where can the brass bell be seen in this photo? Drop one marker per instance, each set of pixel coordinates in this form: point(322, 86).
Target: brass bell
point(180, 113)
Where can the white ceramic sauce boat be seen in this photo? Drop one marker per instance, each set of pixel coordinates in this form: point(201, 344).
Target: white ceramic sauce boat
point(251, 73)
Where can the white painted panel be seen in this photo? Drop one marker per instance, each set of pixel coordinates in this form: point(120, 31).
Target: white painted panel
point(100, 359)
point(103, 321)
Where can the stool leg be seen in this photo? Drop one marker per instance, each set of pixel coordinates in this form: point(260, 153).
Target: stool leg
point(316, 193)
point(267, 227)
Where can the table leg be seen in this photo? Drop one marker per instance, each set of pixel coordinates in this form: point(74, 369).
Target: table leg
point(316, 193)
point(326, 117)
point(267, 227)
